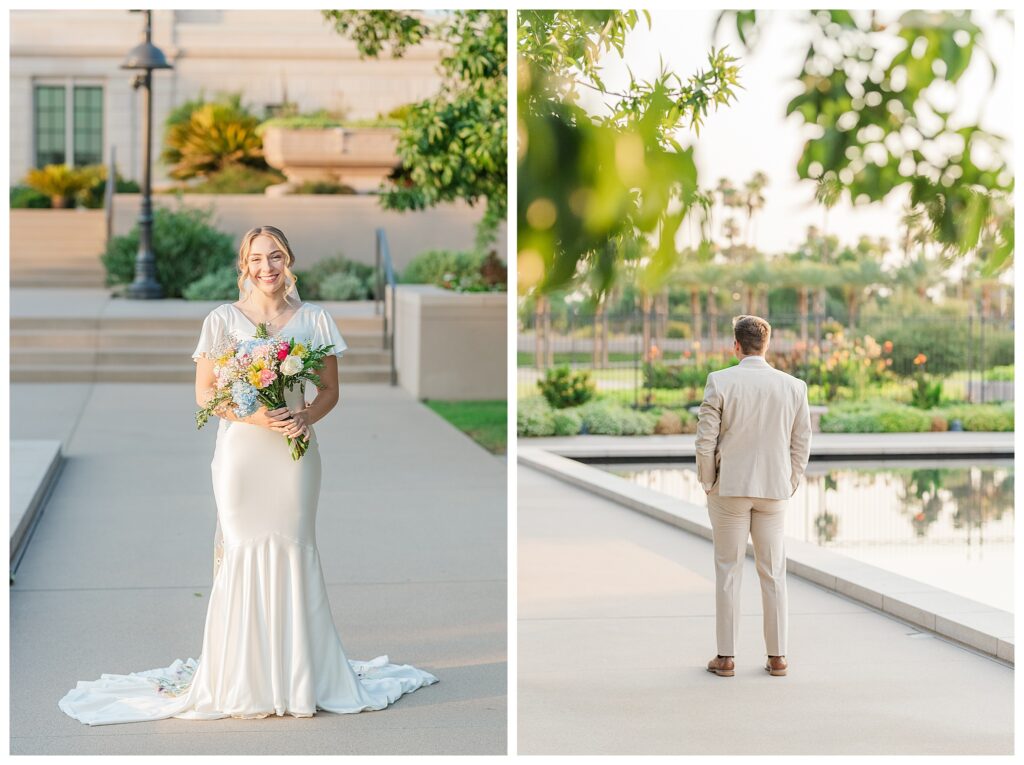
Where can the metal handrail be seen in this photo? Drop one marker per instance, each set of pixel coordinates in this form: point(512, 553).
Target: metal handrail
point(386, 273)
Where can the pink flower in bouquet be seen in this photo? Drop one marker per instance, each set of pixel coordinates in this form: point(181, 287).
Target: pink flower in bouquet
point(267, 376)
point(282, 352)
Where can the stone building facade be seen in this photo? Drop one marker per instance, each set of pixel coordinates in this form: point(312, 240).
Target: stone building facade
point(71, 102)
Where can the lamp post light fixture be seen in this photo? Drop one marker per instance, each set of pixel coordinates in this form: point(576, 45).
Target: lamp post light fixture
point(145, 57)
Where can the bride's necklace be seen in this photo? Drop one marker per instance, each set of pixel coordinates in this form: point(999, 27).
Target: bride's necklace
point(268, 321)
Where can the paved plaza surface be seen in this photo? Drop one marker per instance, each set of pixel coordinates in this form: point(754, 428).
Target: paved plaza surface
point(412, 535)
point(617, 623)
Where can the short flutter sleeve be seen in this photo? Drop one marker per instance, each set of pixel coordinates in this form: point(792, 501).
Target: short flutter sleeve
point(325, 332)
point(209, 336)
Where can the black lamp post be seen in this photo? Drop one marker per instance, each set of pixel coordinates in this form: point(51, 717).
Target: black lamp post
point(146, 57)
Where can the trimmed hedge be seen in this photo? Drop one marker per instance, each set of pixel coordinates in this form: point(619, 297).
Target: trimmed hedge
point(891, 417)
point(985, 418)
point(535, 417)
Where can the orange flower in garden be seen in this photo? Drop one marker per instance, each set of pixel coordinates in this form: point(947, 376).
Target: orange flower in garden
point(920, 359)
point(655, 352)
point(696, 343)
point(887, 345)
point(888, 362)
point(687, 354)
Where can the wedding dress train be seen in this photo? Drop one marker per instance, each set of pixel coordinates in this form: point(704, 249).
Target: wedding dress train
point(270, 645)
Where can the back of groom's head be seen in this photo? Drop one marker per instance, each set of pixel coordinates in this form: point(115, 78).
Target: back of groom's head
point(752, 333)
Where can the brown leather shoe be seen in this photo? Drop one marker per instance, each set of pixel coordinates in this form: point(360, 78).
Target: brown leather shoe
point(776, 665)
point(723, 666)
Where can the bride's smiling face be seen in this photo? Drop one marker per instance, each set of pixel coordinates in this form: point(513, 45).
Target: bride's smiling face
point(266, 265)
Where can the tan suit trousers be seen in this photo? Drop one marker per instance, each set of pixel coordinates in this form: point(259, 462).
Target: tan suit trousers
point(733, 520)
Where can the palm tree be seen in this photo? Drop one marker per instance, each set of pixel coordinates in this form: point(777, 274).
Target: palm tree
point(860, 269)
point(753, 199)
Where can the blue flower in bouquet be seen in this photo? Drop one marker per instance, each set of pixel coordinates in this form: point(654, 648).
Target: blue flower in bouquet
point(244, 396)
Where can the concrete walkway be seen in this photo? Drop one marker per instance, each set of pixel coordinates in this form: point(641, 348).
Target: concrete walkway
point(823, 445)
point(616, 625)
point(117, 574)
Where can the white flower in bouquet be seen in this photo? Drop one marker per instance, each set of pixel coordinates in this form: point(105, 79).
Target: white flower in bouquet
point(291, 365)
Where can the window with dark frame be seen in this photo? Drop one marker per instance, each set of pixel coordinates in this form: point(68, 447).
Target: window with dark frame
point(88, 125)
point(52, 145)
point(51, 141)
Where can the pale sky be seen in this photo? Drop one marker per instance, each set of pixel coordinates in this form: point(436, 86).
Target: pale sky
point(753, 133)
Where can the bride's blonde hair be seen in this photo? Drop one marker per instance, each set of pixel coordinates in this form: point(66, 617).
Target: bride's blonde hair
point(282, 242)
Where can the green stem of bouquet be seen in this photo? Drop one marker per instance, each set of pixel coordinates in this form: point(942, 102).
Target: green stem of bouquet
point(298, 446)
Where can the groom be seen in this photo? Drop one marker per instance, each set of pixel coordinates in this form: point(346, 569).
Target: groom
point(753, 443)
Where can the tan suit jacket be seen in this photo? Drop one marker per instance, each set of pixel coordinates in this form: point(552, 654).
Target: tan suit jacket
point(754, 433)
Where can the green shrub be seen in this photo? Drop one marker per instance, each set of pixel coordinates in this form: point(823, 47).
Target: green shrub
point(998, 347)
point(1000, 374)
point(312, 279)
point(318, 120)
point(59, 182)
point(185, 244)
point(661, 376)
point(689, 420)
point(903, 419)
point(608, 418)
point(534, 417)
point(637, 423)
point(875, 417)
point(237, 179)
point(926, 393)
point(202, 138)
point(680, 330)
point(324, 187)
point(986, 418)
point(567, 422)
point(343, 286)
point(438, 266)
point(943, 341)
point(562, 387)
point(221, 284)
point(94, 195)
point(23, 197)
point(601, 418)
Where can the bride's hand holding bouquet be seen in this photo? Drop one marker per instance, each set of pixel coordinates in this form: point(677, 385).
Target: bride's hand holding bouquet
point(254, 372)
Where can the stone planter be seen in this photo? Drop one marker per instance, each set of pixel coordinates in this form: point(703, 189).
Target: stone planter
point(358, 157)
point(451, 345)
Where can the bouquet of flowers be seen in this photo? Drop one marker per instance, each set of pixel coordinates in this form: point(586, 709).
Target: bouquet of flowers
point(254, 372)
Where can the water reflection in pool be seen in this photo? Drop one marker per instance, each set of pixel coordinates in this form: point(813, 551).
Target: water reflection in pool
point(945, 522)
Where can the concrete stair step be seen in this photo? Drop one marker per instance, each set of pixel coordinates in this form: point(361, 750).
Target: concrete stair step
point(161, 325)
point(58, 259)
point(160, 374)
point(49, 281)
point(150, 356)
point(183, 341)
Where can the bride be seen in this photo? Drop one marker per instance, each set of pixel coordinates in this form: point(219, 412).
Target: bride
point(270, 645)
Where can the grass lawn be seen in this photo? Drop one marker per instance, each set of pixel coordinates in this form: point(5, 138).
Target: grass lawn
point(486, 422)
point(526, 358)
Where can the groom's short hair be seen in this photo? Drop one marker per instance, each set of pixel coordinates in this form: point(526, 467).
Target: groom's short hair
point(752, 333)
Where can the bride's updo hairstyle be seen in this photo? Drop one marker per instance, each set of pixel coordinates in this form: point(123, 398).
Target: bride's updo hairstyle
point(282, 242)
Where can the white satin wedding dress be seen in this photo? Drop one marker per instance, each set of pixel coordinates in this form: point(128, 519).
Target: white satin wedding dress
point(270, 645)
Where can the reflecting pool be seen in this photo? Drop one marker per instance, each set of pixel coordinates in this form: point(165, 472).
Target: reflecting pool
point(948, 523)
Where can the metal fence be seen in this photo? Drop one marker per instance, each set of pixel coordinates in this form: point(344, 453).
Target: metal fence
point(661, 358)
